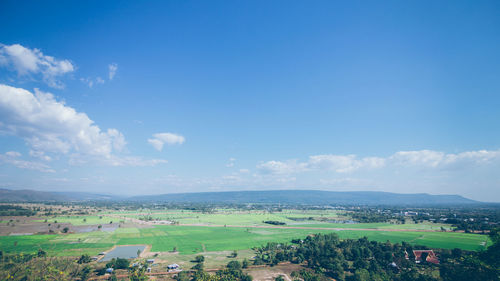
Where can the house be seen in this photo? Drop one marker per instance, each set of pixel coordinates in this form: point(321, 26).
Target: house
point(150, 261)
point(173, 266)
point(109, 270)
point(94, 258)
point(148, 269)
point(431, 256)
point(393, 264)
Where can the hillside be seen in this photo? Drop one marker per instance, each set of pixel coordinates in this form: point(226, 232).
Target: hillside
point(306, 197)
point(310, 197)
point(27, 195)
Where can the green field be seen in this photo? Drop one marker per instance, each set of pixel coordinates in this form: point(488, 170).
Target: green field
point(195, 239)
point(310, 218)
point(231, 217)
point(205, 232)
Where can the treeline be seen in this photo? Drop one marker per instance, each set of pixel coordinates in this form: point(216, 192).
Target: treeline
point(274, 222)
point(14, 210)
point(366, 216)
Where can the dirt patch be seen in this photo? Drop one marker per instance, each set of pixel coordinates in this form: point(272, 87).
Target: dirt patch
point(269, 273)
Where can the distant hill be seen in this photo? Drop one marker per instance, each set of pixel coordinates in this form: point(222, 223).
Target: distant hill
point(306, 197)
point(310, 197)
point(26, 195)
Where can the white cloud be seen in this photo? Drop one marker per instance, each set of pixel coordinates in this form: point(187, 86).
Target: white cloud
point(408, 159)
point(161, 139)
point(90, 82)
point(437, 159)
point(327, 162)
point(51, 126)
point(231, 162)
point(27, 61)
point(343, 163)
point(12, 157)
point(112, 70)
point(156, 143)
point(87, 81)
point(134, 161)
point(40, 154)
point(278, 167)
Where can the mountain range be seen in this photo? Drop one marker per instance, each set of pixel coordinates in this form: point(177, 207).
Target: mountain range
point(306, 197)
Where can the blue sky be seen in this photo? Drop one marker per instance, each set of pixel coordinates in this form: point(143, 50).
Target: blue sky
point(182, 96)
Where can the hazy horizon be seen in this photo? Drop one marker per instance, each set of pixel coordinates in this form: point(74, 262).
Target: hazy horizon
point(172, 97)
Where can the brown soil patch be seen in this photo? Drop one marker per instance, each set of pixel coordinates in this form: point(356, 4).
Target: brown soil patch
point(269, 273)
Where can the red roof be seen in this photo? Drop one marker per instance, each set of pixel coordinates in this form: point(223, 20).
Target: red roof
point(431, 257)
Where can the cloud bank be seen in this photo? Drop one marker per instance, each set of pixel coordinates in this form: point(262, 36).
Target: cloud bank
point(50, 126)
point(423, 159)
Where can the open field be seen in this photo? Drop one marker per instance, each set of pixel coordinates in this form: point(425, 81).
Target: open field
point(230, 217)
point(293, 218)
point(197, 239)
point(78, 220)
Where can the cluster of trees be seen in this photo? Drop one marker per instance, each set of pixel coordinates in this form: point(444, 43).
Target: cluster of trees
point(232, 272)
point(37, 266)
point(366, 216)
point(274, 222)
point(361, 259)
point(14, 210)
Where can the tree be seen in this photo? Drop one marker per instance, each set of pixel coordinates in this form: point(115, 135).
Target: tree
point(84, 259)
point(85, 273)
point(138, 273)
point(234, 265)
point(456, 253)
point(199, 258)
point(198, 266)
point(245, 263)
point(122, 263)
point(234, 254)
point(65, 230)
point(41, 253)
point(182, 276)
point(361, 275)
point(279, 278)
point(118, 263)
point(492, 255)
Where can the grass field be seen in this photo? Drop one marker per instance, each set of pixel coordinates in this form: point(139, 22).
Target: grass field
point(290, 217)
point(231, 217)
point(195, 239)
point(410, 226)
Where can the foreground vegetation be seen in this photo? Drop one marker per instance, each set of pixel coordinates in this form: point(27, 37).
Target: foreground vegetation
point(322, 256)
point(346, 243)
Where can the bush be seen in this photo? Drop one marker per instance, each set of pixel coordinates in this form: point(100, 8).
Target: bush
point(84, 259)
point(234, 265)
point(199, 258)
